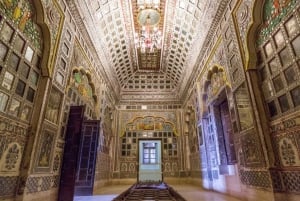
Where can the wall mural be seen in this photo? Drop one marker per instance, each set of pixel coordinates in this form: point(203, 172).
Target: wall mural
point(127, 117)
point(81, 81)
point(252, 152)
point(274, 12)
point(288, 152)
point(192, 131)
point(150, 123)
point(11, 158)
point(106, 135)
point(243, 107)
point(45, 153)
point(54, 105)
point(148, 127)
point(21, 12)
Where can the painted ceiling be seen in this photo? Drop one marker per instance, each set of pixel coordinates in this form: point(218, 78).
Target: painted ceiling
point(162, 74)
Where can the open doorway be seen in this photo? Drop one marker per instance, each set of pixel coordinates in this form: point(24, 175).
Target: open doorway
point(150, 161)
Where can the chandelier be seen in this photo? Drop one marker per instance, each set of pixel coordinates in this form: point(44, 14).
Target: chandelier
point(149, 38)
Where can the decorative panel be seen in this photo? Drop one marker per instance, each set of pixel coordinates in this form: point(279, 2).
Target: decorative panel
point(244, 109)
point(21, 13)
point(256, 178)
point(252, 151)
point(8, 185)
point(274, 12)
point(45, 152)
point(54, 105)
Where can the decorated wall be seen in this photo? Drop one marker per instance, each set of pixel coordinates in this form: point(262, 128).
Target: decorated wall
point(137, 124)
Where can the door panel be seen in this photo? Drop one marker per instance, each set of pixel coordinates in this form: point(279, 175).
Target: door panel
point(72, 141)
point(87, 158)
point(228, 134)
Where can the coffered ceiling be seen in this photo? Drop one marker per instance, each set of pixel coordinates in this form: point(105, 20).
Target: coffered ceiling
point(163, 73)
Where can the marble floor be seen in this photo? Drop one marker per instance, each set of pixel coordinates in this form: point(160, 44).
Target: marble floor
point(189, 192)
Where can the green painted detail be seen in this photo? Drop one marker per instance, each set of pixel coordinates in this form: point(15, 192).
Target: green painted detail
point(20, 12)
point(83, 85)
point(77, 77)
point(273, 13)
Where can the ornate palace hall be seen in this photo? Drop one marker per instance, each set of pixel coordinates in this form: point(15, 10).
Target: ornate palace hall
point(150, 100)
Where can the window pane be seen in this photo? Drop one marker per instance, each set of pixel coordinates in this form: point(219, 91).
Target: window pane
point(36, 61)
point(30, 94)
point(268, 49)
point(3, 101)
point(296, 46)
point(26, 113)
point(3, 51)
point(284, 104)
point(272, 108)
point(14, 107)
point(13, 61)
point(263, 73)
point(20, 88)
point(278, 85)
point(296, 96)
point(290, 75)
point(24, 71)
point(19, 44)
point(7, 32)
point(8, 80)
point(291, 26)
point(279, 39)
point(285, 57)
point(34, 77)
point(274, 67)
point(29, 54)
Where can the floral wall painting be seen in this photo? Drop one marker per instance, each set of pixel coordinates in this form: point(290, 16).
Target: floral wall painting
point(288, 152)
point(11, 159)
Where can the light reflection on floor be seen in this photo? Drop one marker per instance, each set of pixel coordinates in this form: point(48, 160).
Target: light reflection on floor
point(189, 192)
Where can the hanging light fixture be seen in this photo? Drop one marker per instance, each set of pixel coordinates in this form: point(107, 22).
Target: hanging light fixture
point(149, 37)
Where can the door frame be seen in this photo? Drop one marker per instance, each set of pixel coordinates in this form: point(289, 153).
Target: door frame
point(161, 156)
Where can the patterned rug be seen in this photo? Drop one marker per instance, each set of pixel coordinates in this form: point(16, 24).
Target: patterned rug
point(150, 191)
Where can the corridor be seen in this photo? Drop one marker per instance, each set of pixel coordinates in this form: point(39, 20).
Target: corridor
point(189, 192)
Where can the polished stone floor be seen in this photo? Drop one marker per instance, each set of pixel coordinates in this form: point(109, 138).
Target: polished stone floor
point(189, 192)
